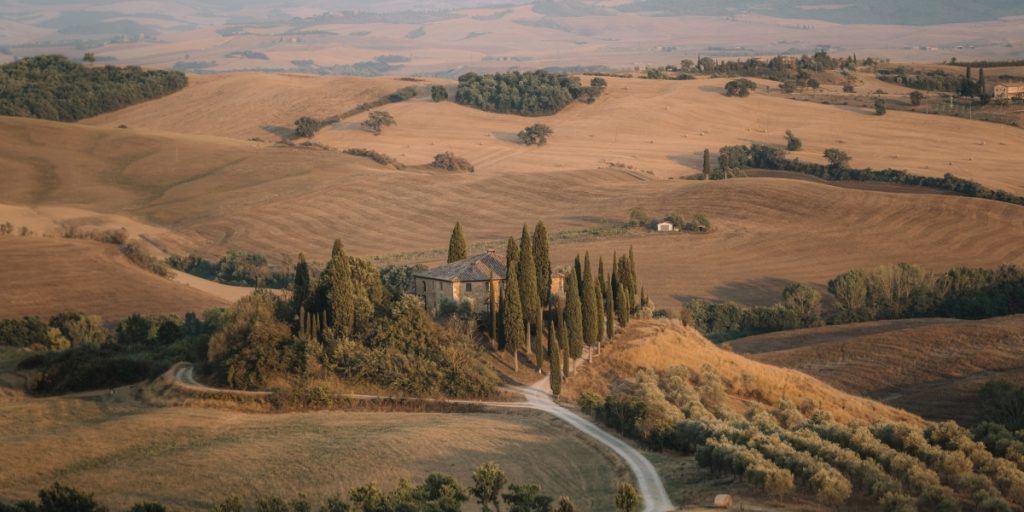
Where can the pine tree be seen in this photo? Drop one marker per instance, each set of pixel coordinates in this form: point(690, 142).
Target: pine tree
point(457, 244)
point(512, 320)
point(707, 164)
point(574, 318)
point(301, 284)
point(589, 296)
point(542, 261)
point(556, 363)
point(532, 313)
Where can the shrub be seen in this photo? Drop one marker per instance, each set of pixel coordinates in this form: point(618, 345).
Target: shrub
point(139, 255)
point(916, 98)
point(880, 108)
point(377, 120)
point(536, 134)
point(792, 142)
point(740, 87)
point(378, 157)
point(849, 88)
point(438, 93)
point(307, 127)
point(837, 158)
point(449, 162)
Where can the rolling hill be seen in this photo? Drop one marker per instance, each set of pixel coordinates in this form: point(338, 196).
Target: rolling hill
point(44, 276)
point(932, 367)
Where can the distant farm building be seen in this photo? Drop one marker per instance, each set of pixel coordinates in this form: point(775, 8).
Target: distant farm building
point(477, 280)
point(1008, 91)
point(666, 226)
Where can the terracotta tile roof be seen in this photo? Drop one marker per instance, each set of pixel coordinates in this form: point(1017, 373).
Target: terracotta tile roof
point(474, 268)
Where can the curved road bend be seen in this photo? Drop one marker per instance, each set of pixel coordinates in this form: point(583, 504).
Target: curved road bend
point(649, 483)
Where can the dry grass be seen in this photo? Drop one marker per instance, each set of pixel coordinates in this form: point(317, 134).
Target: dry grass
point(210, 195)
point(663, 344)
point(930, 367)
point(126, 452)
point(43, 276)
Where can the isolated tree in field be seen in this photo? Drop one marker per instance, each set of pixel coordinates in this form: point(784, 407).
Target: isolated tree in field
point(590, 314)
point(532, 313)
point(438, 93)
point(565, 505)
point(707, 164)
point(512, 319)
point(488, 482)
point(377, 121)
point(535, 135)
point(542, 261)
point(302, 284)
point(457, 244)
point(573, 317)
point(793, 143)
point(916, 98)
point(880, 108)
point(627, 499)
point(556, 362)
point(837, 158)
point(89, 58)
point(307, 127)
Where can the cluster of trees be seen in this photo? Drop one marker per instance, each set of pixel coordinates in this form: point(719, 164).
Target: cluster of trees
point(448, 161)
point(941, 81)
point(308, 126)
point(377, 121)
point(535, 134)
point(740, 87)
point(782, 447)
point(438, 492)
point(732, 159)
point(438, 93)
point(780, 69)
point(238, 268)
point(883, 293)
point(346, 323)
point(55, 88)
point(1002, 403)
point(531, 93)
point(698, 224)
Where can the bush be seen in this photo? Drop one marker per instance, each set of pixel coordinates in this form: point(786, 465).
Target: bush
point(307, 127)
point(792, 142)
point(449, 162)
point(52, 87)
point(740, 87)
point(140, 256)
point(880, 108)
point(378, 157)
point(916, 98)
point(438, 93)
point(377, 120)
point(536, 134)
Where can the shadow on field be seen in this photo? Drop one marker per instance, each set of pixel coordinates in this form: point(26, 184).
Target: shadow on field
point(281, 131)
point(754, 292)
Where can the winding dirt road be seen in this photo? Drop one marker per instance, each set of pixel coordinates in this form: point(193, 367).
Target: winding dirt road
point(649, 483)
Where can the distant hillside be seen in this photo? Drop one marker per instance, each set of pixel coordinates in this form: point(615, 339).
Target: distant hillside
point(899, 12)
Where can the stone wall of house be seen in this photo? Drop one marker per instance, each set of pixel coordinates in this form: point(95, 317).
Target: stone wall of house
point(478, 293)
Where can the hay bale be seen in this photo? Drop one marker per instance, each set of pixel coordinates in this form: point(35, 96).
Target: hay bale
point(723, 501)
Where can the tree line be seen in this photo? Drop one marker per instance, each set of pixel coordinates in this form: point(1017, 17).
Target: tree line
point(531, 93)
point(55, 88)
point(733, 159)
point(490, 489)
point(237, 268)
point(883, 293)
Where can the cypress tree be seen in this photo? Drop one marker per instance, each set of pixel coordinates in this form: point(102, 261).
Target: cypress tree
point(574, 318)
point(528, 291)
point(599, 293)
point(602, 290)
point(457, 244)
point(707, 164)
point(632, 272)
point(556, 363)
point(512, 320)
point(609, 311)
point(335, 293)
point(511, 252)
point(542, 260)
point(302, 283)
point(563, 334)
point(981, 83)
point(578, 266)
point(590, 327)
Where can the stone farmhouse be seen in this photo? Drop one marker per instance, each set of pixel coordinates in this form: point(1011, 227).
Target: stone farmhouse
point(478, 280)
point(1008, 91)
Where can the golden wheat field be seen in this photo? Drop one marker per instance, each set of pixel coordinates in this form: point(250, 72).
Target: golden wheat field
point(931, 367)
point(126, 452)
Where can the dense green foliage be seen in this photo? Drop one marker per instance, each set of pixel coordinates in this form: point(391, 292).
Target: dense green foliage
point(307, 127)
point(771, 157)
point(238, 268)
point(740, 87)
point(535, 135)
point(457, 244)
point(438, 93)
point(531, 93)
point(437, 493)
point(927, 80)
point(882, 293)
point(55, 88)
point(793, 143)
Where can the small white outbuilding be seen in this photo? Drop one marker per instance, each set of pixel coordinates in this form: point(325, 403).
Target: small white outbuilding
point(666, 226)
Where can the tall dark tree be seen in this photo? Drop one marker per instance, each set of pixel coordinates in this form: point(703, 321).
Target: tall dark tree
point(563, 335)
point(511, 251)
point(599, 292)
point(590, 318)
point(556, 363)
point(512, 318)
point(335, 295)
point(532, 313)
point(457, 244)
point(574, 318)
point(542, 260)
point(609, 311)
point(623, 302)
point(302, 285)
point(707, 164)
